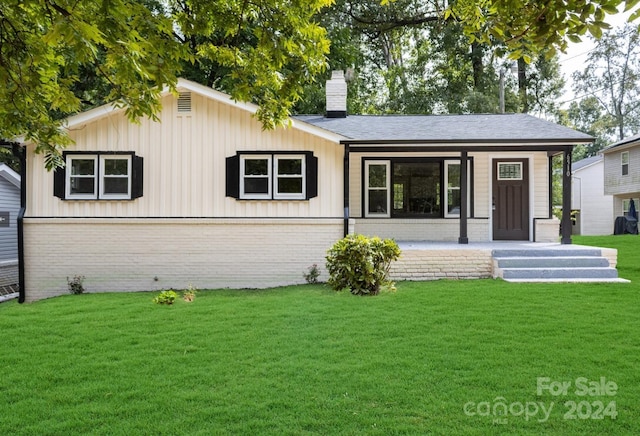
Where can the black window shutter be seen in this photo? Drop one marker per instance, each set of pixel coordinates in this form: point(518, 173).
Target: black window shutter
point(233, 176)
point(312, 176)
point(59, 178)
point(137, 178)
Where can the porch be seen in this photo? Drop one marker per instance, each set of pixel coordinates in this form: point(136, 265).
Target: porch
point(512, 261)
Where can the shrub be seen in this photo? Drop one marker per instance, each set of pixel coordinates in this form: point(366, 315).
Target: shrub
point(166, 297)
point(189, 294)
point(361, 264)
point(76, 284)
point(312, 274)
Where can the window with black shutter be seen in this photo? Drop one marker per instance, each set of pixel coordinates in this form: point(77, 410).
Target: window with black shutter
point(99, 176)
point(272, 176)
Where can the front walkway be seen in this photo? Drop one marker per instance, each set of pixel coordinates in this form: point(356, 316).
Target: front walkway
point(441, 260)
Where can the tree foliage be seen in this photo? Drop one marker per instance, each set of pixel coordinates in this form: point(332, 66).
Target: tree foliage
point(531, 26)
point(588, 116)
point(612, 79)
point(44, 46)
point(55, 54)
point(58, 57)
point(408, 59)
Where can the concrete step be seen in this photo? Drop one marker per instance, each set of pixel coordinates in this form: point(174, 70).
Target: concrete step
point(552, 262)
point(560, 273)
point(618, 280)
point(567, 252)
point(543, 265)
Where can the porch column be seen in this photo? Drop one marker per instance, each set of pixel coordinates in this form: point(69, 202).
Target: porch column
point(566, 197)
point(346, 189)
point(463, 239)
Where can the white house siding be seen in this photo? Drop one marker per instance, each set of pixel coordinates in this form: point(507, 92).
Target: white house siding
point(614, 182)
point(621, 187)
point(9, 202)
point(479, 227)
point(423, 229)
point(184, 165)
point(150, 254)
point(183, 229)
point(588, 197)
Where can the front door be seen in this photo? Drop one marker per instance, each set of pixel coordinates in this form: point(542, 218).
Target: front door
point(510, 199)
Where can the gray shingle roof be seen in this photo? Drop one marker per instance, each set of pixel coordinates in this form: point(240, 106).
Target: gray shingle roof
point(625, 141)
point(585, 162)
point(464, 128)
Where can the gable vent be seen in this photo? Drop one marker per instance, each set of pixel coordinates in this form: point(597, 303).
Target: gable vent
point(184, 102)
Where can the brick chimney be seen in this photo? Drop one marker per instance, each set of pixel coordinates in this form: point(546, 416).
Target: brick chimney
point(337, 95)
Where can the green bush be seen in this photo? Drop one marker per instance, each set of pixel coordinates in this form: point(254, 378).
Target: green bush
point(166, 297)
point(312, 274)
point(361, 264)
point(76, 285)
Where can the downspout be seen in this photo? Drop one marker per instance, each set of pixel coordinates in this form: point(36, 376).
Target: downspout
point(346, 189)
point(20, 152)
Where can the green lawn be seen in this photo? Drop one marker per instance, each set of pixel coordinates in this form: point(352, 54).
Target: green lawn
point(433, 358)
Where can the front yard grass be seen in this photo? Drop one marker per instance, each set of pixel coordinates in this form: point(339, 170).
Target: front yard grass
point(298, 360)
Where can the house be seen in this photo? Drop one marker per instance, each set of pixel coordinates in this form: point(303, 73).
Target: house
point(593, 209)
point(9, 208)
point(622, 175)
point(206, 197)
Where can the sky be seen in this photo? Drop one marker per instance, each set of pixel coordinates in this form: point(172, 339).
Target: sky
point(576, 57)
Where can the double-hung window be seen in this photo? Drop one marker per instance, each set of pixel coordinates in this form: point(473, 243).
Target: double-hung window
point(255, 177)
point(99, 176)
point(289, 177)
point(272, 176)
point(452, 184)
point(624, 159)
point(377, 180)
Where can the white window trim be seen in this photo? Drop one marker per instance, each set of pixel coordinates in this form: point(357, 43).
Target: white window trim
point(448, 214)
point(68, 177)
point(269, 176)
point(276, 177)
point(102, 174)
point(367, 164)
point(623, 163)
point(447, 163)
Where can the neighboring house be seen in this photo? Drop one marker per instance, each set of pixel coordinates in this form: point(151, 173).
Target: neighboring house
point(9, 208)
point(622, 174)
point(593, 208)
point(206, 197)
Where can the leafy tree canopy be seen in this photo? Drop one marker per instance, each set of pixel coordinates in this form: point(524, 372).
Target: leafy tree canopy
point(529, 26)
point(52, 52)
point(58, 57)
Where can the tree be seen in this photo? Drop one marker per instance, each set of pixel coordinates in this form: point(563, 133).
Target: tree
point(53, 52)
point(612, 77)
point(532, 26)
point(408, 59)
point(44, 45)
point(587, 115)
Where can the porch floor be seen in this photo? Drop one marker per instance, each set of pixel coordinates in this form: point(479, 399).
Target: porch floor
point(545, 261)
